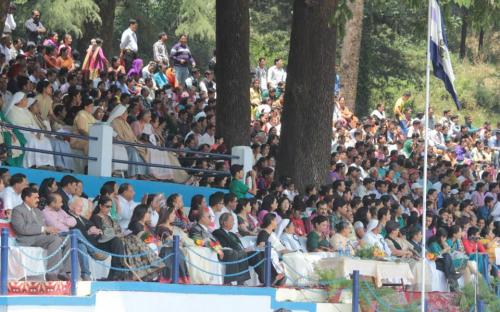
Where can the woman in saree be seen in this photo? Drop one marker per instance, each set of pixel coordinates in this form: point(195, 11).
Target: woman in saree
point(145, 132)
point(123, 131)
point(95, 61)
point(165, 230)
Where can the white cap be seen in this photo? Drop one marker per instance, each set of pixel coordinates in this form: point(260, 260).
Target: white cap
point(372, 225)
point(31, 101)
point(358, 225)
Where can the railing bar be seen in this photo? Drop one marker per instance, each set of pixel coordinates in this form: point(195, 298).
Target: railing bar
point(36, 150)
point(71, 135)
point(174, 149)
point(119, 161)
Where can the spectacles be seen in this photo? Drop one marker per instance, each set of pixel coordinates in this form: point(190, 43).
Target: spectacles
point(108, 206)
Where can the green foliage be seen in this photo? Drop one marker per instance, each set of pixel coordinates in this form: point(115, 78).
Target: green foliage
point(466, 299)
point(270, 28)
point(156, 16)
point(197, 18)
point(61, 15)
point(393, 60)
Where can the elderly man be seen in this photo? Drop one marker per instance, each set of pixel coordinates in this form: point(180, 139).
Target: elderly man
point(230, 240)
point(56, 217)
point(200, 232)
point(27, 222)
point(87, 231)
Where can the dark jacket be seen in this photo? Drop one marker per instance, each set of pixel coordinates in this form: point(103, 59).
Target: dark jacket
point(228, 239)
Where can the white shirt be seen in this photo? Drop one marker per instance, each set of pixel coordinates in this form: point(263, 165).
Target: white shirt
point(235, 225)
point(207, 139)
point(377, 240)
point(291, 242)
point(378, 114)
point(129, 41)
point(5, 51)
point(10, 198)
point(495, 212)
point(126, 210)
point(276, 75)
point(160, 54)
point(10, 24)
point(154, 217)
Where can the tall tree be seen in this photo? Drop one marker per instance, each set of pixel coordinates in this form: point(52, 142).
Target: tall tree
point(463, 35)
point(233, 84)
point(304, 151)
point(349, 60)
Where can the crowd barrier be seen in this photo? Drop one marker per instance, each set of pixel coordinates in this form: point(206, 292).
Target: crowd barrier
point(100, 152)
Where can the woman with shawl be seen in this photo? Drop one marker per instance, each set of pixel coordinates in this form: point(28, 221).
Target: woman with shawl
point(118, 120)
point(19, 114)
point(95, 61)
point(12, 137)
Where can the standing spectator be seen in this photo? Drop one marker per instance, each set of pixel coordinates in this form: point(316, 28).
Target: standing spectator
point(181, 56)
point(276, 73)
point(261, 73)
point(160, 54)
point(128, 44)
point(10, 23)
point(399, 107)
point(34, 27)
point(5, 46)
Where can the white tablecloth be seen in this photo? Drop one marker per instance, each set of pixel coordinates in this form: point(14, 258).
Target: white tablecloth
point(198, 256)
point(300, 267)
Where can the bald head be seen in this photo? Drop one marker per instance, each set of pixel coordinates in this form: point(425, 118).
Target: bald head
point(76, 205)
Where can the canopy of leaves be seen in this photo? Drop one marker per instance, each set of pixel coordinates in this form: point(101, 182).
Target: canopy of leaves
point(66, 16)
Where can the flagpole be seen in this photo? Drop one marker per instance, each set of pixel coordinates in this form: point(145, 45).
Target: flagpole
point(426, 147)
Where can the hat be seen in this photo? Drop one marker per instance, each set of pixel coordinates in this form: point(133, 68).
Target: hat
point(31, 101)
point(282, 226)
point(358, 225)
point(372, 225)
point(416, 186)
point(454, 192)
point(119, 110)
point(199, 115)
point(16, 98)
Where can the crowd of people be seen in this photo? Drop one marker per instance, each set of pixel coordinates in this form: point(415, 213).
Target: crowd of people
point(373, 194)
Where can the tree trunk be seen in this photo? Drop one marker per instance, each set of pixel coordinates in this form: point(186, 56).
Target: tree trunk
point(349, 59)
point(481, 40)
point(304, 151)
point(233, 74)
point(103, 31)
point(107, 12)
point(4, 7)
point(463, 36)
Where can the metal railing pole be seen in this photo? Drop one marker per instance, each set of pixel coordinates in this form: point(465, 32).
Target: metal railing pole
point(5, 262)
point(355, 291)
point(267, 265)
point(74, 261)
point(175, 267)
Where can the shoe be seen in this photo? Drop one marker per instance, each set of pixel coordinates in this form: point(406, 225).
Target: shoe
point(99, 256)
point(63, 277)
point(51, 277)
point(86, 278)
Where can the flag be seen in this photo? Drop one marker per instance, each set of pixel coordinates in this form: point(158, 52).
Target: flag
point(439, 53)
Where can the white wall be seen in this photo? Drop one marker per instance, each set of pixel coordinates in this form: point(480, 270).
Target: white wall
point(146, 301)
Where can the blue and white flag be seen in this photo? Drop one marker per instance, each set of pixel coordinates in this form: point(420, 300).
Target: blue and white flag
point(440, 55)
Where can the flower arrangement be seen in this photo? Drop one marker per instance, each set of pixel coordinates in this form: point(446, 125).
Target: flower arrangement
point(148, 238)
point(214, 245)
point(370, 252)
point(430, 256)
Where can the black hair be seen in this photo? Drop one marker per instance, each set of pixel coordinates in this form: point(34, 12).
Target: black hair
point(28, 192)
point(17, 178)
point(139, 213)
point(268, 219)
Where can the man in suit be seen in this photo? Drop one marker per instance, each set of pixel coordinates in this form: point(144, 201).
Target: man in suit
point(27, 222)
point(200, 231)
point(67, 190)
